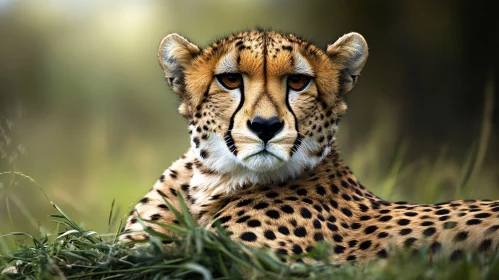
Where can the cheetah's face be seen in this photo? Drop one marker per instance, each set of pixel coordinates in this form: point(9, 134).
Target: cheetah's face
point(262, 103)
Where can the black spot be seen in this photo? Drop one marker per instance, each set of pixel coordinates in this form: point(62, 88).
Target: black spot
point(308, 201)
point(129, 237)
point(254, 223)
point(385, 218)
point(224, 219)
point(287, 209)
point(196, 142)
point(365, 218)
point(435, 247)
point(364, 208)
point(320, 190)
point(309, 249)
point(334, 204)
point(282, 251)
point(261, 205)
point(305, 213)
point(335, 188)
point(429, 231)
point(365, 245)
point(444, 218)
point(473, 222)
point(318, 208)
point(273, 214)
point(370, 229)
point(245, 202)
point(482, 215)
point(382, 254)
point(243, 219)
point(345, 184)
point(351, 258)
point(272, 195)
point(347, 212)
point(162, 178)
point(318, 236)
point(317, 224)
point(215, 197)
point(173, 192)
point(409, 241)
point(297, 249)
point(284, 230)
point(184, 187)
point(492, 229)
point(325, 207)
point(410, 214)
point(427, 223)
point(300, 232)
point(405, 231)
point(352, 243)
point(442, 212)
point(337, 237)
point(485, 245)
point(204, 153)
point(338, 249)
point(248, 236)
point(332, 227)
point(403, 222)
point(269, 235)
point(382, 234)
point(144, 200)
point(301, 192)
point(352, 182)
point(356, 225)
point(460, 236)
point(495, 209)
point(346, 197)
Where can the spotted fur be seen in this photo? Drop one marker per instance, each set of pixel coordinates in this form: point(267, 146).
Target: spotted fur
point(293, 191)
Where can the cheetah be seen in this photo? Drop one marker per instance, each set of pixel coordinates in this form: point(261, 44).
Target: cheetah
point(263, 109)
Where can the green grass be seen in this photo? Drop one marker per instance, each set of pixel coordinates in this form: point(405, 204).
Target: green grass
point(71, 252)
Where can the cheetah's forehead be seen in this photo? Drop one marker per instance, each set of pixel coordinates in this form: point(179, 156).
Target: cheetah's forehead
point(252, 52)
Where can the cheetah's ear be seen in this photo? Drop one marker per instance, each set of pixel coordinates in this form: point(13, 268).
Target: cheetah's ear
point(350, 53)
point(175, 53)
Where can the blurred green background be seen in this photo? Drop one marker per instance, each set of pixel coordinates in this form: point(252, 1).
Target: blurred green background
point(87, 114)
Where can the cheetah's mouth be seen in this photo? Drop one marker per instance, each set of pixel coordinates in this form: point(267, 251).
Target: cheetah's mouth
point(263, 152)
point(263, 160)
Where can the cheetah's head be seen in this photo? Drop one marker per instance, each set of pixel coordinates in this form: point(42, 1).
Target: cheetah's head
point(262, 105)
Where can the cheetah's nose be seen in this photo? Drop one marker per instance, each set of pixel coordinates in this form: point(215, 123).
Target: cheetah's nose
point(265, 129)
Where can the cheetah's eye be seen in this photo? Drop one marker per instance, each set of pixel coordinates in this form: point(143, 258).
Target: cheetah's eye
point(298, 82)
point(230, 80)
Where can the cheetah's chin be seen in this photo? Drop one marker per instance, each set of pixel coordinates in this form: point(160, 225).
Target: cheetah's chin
point(263, 161)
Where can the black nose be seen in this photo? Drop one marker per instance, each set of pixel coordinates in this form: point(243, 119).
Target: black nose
point(265, 129)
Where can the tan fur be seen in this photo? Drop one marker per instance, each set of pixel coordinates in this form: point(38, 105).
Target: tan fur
point(300, 193)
